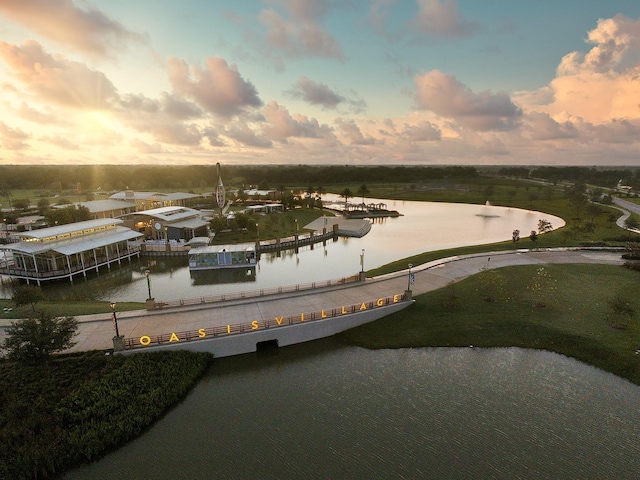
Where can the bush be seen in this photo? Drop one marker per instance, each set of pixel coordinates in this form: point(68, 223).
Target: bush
point(35, 339)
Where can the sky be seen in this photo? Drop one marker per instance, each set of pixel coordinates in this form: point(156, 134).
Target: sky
point(379, 82)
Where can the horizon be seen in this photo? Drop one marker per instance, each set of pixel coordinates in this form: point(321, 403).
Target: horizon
point(320, 82)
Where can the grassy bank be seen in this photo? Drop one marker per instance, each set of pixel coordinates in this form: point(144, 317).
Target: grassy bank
point(66, 308)
point(575, 320)
point(76, 408)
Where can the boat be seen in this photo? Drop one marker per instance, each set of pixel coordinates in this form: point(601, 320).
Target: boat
point(214, 257)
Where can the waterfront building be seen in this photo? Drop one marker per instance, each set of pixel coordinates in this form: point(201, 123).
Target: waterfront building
point(169, 223)
point(151, 200)
point(107, 208)
point(66, 250)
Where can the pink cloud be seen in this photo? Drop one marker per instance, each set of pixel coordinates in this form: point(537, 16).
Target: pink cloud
point(242, 133)
point(217, 88)
point(597, 87)
point(89, 30)
point(281, 125)
point(351, 130)
point(422, 132)
point(316, 93)
point(56, 79)
point(446, 96)
point(442, 18)
point(302, 33)
point(12, 138)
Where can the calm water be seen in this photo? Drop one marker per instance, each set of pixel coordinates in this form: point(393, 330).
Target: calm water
point(325, 411)
point(424, 226)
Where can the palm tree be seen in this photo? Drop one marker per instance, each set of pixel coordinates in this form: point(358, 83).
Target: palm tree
point(346, 194)
point(363, 190)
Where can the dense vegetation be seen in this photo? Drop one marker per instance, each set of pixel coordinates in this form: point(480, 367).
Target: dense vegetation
point(76, 408)
point(573, 319)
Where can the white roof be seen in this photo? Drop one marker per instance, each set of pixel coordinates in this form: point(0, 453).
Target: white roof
point(70, 228)
point(153, 196)
point(167, 214)
point(96, 206)
point(239, 247)
point(188, 223)
point(76, 245)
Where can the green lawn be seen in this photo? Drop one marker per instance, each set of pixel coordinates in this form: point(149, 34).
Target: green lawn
point(66, 308)
point(574, 322)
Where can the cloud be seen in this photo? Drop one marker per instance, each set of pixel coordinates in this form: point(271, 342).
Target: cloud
point(281, 125)
point(350, 129)
point(302, 33)
point(540, 126)
point(242, 133)
point(89, 31)
point(13, 139)
point(320, 94)
point(446, 96)
point(62, 142)
point(441, 18)
point(56, 79)
point(36, 116)
point(144, 147)
point(599, 86)
point(218, 88)
point(422, 132)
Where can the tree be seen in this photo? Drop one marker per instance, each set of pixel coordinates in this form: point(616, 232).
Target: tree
point(27, 294)
point(621, 308)
point(544, 226)
point(533, 236)
point(346, 194)
point(515, 236)
point(43, 204)
point(362, 191)
point(35, 339)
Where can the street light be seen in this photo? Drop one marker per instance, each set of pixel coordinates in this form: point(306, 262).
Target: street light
point(410, 278)
point(114, 317)
point(362, 261)
point(147, 273)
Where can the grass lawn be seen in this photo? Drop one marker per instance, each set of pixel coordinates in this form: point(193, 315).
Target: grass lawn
point(575, 320)
point(66, 308)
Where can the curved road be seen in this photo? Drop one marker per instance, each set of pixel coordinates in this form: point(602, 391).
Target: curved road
point(95, 331)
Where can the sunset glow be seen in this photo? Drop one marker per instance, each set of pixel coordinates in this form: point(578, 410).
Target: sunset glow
point(320, 82)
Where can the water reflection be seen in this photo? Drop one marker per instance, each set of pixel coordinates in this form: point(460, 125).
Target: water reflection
point(323, 410)
point(424, 226)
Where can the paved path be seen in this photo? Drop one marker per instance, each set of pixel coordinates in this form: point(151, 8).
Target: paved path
point(95, 331)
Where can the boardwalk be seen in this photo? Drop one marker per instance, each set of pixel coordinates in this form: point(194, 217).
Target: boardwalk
point(95, 331)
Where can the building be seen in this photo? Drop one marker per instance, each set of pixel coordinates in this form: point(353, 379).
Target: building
point(108, 208)
point(66, 250)
point(168, 223)
point(151, 200)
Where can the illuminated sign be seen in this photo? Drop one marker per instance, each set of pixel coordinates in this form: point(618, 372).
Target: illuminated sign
point(254, 325)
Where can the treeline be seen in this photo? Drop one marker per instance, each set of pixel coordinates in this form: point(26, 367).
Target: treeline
point(604, 177)
point(87, 178)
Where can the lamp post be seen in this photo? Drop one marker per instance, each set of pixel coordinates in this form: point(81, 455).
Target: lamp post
point(409, 282)
point(147, 274)
point(114, 317)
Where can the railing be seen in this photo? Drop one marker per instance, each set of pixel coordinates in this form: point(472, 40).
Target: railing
point(257, 325)
point(254, 293)
point(64, 272)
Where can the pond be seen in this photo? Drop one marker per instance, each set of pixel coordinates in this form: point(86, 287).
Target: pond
point(324, 410)
point(423, 226)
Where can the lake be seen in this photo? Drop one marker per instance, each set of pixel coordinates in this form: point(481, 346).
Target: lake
point(423, 226)
point(324, 410)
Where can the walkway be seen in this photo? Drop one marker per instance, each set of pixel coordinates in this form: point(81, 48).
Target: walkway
point(95, 331)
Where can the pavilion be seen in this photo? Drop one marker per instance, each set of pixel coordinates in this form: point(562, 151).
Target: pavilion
point(66, 250)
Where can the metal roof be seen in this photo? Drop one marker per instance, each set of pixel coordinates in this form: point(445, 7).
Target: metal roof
point(69, 228)
point(188, 223)
point(96, 206)
point(76, 245)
